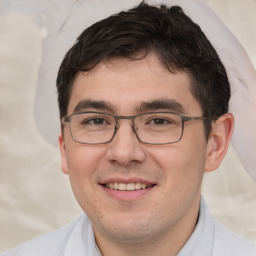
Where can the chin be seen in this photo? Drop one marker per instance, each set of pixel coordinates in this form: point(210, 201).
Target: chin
point(133, 229)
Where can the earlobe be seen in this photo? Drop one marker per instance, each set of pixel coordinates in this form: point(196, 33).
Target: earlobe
point(219, 141)
point(62, 147)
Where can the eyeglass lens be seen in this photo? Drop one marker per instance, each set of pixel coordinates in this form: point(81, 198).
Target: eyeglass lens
point(152, 128)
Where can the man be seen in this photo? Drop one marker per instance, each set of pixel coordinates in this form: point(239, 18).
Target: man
point(143, 100)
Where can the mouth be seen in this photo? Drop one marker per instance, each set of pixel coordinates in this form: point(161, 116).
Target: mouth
point(128, 186)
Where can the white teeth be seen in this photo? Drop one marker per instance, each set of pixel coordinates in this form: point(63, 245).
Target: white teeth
point(116, 185)
point(122, 186)
point(128, 186)
point(137, 185)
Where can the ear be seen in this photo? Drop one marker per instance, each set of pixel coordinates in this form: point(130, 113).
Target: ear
point(219, 140)
point(64, 165)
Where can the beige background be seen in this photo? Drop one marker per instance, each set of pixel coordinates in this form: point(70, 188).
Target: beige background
point(35, 196)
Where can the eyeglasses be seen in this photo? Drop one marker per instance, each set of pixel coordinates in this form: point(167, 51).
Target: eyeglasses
point(156, 128)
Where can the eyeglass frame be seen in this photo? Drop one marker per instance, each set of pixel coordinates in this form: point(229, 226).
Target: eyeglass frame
point(66, 119)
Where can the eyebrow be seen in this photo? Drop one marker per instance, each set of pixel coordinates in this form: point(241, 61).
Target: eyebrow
point(166, 104)
point(99, 105)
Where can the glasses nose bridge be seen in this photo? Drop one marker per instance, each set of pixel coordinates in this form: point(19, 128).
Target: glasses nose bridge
point(117, 118)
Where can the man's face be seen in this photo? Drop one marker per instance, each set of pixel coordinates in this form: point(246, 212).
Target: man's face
point(174, 171)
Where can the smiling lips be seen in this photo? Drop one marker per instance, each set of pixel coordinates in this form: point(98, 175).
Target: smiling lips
point(127, 186)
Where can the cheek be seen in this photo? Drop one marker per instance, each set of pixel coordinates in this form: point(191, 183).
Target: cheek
point(83, 158)
point(83, 162)
point(182, 163)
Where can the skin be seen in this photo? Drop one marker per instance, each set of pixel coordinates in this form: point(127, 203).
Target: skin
point(157, 221)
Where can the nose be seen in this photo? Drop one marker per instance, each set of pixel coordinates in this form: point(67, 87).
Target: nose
point(125, 148)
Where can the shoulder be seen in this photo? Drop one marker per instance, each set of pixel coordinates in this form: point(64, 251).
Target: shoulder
point(50, 244)
point(227, 243)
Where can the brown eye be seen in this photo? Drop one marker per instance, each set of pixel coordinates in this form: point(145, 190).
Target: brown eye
point(96, 121)
point(159, 121)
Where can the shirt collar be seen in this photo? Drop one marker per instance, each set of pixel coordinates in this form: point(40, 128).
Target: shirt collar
point(201, 240)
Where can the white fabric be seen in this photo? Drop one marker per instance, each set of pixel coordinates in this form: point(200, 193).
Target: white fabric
point(241, 74)
point(77, 239)
point(63, 27)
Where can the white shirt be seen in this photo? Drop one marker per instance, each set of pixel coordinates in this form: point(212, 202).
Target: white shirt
point(77, 239)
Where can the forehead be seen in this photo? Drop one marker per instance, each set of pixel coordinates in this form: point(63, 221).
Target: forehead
point(126, 84)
